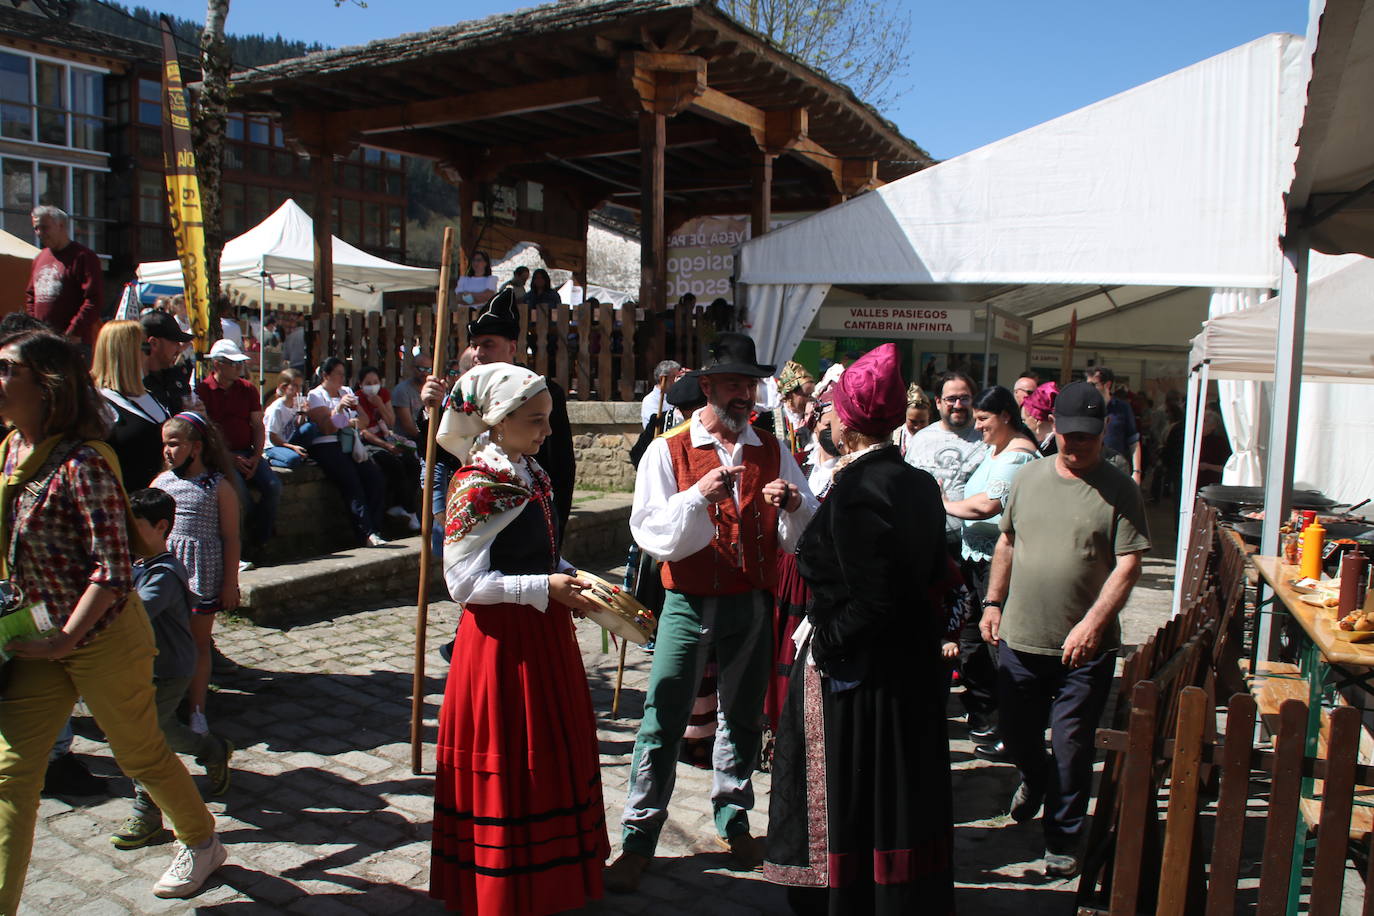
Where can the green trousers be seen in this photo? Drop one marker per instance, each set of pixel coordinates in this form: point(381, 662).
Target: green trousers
point(738, 628)
point(115, 676)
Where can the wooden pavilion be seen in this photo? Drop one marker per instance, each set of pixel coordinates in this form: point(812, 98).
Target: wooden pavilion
point(541, 115)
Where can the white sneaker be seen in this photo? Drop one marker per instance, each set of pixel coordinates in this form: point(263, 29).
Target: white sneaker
point(375, 540)
point(245, 565)
point(397, 512)
point(190, 868)
point(414, 521)
point(198, 723)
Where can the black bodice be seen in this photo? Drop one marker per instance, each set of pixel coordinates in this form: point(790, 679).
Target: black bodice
point(523, 548)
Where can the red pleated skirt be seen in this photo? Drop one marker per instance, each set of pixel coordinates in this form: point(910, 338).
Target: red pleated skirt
point(519, 822)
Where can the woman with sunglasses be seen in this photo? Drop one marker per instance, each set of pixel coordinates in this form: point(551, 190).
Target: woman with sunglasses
point(136, 416)
point(64, 542)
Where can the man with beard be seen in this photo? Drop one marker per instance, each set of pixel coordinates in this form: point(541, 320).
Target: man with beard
point(713, 500)
point(492, 339)
point(951, 451)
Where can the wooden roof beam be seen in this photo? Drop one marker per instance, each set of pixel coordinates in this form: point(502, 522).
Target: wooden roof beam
point(597, 146)
point(477, 106)
point(660, 82)
point(776, 132)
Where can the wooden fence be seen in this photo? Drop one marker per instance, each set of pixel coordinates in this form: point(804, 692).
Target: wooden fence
point(596, 352)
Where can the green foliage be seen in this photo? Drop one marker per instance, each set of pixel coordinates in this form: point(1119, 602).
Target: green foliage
point(859, 43)
point(245, 50)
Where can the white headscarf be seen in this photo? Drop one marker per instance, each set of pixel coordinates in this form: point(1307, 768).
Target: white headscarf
point(483, 397)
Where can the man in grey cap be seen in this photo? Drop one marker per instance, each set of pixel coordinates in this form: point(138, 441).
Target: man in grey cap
point(1073, 535)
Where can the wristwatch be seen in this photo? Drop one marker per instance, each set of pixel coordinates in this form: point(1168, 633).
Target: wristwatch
point(988, 602)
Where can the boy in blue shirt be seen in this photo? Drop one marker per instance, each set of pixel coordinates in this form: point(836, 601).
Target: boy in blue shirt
point(161, 581)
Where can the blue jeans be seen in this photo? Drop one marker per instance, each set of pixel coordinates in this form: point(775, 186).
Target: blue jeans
point(261, 516)
point(1035, 691)
point(282, 457)
point(442, 475)
point(360, 482)
point(63, 744)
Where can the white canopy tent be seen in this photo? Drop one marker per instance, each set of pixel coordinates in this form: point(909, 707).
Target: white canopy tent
point(280, 252)
point(1330, 208)
point(1170, 185)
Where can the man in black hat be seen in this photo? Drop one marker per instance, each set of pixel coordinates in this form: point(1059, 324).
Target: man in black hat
point(1073, 535)
point(166, 377)
point(492, 339)
point(713, 501)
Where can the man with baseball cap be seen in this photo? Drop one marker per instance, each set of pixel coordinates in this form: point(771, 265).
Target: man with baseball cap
point(1073, 534)
point(165, 376)
point(235, 406)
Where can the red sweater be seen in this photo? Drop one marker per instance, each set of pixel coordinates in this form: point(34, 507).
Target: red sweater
point(67, 291)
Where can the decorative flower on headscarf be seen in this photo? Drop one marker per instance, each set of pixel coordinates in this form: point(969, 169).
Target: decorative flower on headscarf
point(792, 377)
point(483, 397)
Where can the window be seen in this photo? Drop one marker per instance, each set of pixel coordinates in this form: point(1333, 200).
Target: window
point(257, 206)
point(372, 225)
point(350, 211)
point(51, 96)
point(16, 120)
point(152, 198)
point(52, 185)
point(150, 144)
point(88, 98)
point(393, 184)
point(16, 190)
point(232, 200)
point(257, 131)
point(395, 220)
point(149, 102)
point(234, 128)
point(88, 195)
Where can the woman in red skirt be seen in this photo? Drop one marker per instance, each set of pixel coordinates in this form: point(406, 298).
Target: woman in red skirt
point(519, 824)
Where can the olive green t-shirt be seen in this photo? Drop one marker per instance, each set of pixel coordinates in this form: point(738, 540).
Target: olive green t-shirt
point(1068, 534)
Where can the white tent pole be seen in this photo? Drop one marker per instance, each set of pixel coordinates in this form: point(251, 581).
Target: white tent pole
point(1185, 503)
point(1283, 425)
point(987, 347)
point(262, 329)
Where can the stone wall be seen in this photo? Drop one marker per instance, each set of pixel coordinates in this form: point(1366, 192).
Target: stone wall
point(603, 434)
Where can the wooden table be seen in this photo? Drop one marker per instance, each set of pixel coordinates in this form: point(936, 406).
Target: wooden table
point(1317, 623)
point(1328, 664)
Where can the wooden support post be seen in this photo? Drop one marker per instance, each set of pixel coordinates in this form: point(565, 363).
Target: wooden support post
point(322, 170)
point(653, 257)
point(761, 213)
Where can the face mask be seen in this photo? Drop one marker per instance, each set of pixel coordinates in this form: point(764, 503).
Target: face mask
point(828, 443)
point(182, 469)
point(371, 389)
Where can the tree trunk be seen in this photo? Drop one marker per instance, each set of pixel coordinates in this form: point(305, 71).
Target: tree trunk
point(208, 130)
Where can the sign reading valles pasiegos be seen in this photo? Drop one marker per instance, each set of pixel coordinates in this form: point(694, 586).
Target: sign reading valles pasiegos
point(914, 320)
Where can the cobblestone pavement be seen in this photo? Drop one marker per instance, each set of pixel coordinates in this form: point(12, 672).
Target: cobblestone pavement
point(324, 815)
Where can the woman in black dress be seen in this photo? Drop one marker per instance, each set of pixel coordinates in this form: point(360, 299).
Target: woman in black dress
point(860, 819)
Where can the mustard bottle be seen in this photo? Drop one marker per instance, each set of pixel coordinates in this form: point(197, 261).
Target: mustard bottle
point(1313, 539)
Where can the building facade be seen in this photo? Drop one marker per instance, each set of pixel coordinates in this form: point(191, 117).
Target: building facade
point(81, 128)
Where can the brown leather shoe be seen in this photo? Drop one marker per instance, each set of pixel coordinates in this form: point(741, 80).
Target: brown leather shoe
point(622, 876)
point(746, 850)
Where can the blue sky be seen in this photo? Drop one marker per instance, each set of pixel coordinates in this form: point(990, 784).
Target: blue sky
point(979, 70)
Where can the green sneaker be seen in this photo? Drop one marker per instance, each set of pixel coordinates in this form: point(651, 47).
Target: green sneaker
point(136, 831)
point(218, 773)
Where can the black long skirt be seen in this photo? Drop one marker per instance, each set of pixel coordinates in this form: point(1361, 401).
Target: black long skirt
point(860, 818)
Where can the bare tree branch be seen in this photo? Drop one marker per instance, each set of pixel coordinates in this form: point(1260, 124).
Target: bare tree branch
point(860, 43)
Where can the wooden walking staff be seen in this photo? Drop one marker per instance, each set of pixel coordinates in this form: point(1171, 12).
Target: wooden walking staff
point(417, 684)
point(625, 643)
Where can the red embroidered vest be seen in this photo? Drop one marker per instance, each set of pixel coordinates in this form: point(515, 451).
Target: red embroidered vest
point(743, 555)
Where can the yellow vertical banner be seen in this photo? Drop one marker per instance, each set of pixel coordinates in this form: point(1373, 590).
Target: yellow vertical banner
point(183, 191)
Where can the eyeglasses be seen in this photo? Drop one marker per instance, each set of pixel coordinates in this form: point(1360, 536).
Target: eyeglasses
point(7, 367)
point(454, 372)
point(1025, 391)
point(961, 399)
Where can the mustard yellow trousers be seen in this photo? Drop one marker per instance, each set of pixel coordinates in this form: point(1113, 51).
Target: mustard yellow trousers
point(114, 673)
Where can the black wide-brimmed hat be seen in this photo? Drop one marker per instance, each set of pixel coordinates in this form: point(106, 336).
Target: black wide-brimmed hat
point(734, 354)
point(685, 394)
point(497, 317)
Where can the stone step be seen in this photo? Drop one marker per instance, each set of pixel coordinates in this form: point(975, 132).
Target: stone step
point(300, 590)
point(297, 590)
